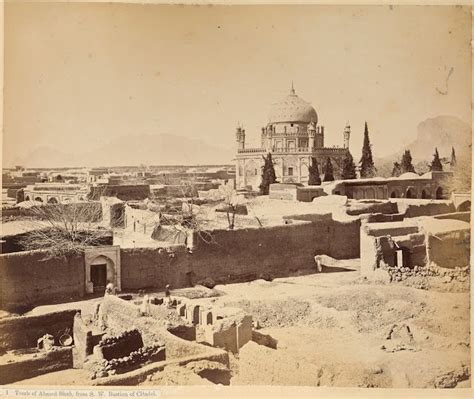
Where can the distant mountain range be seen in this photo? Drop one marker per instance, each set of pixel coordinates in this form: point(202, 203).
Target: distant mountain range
point(442, 132)
point(148, 149)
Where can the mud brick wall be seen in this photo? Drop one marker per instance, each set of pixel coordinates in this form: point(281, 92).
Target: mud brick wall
point(242, 255)
point(58, 359)
point(24, 331)
point(426, 209)
point(26, 279)
point(451, 249)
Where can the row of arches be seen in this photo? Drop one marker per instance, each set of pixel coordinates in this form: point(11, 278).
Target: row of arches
point(411, 193)
point(51, 200)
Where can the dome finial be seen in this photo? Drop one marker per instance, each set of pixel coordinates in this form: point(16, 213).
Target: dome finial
point(292, 91)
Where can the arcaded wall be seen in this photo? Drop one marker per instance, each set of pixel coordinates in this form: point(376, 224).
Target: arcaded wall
point(27, 279)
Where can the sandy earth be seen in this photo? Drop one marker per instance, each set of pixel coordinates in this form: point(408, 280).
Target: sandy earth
point(332, 330)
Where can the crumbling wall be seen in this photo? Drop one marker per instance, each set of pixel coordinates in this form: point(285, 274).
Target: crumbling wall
point(23, 332)
point(450, 249)
point(415, 208)
point(28, 280)
point(55, 360)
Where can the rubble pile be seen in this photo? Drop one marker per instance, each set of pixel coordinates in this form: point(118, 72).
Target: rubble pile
point(139, 357)
point(460, 274)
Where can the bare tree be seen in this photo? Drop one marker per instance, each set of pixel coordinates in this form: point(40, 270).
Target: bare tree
point(62, 229)
point(184, 215)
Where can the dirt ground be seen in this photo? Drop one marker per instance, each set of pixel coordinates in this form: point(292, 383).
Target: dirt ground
point(333, 328)
point(337, 329)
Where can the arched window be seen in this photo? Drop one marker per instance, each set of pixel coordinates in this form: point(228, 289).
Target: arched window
point(39, 199)
point(393, 194)
point(425, 194)
point(52, 200)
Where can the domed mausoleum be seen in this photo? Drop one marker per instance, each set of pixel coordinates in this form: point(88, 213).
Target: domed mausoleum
point(293, 136)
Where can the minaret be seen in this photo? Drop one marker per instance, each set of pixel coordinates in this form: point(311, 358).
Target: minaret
point(319, 137)
point(311, 134)
point(240, 137)
point(347, 135)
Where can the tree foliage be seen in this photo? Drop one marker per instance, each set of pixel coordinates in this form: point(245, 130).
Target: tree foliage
point(348, 167)
point(268, 175)
point(328, 171)
point(313, 170)
point(397, 169)
point(436, 165)
point(367, 167)
point(406, 164)
point(454, 161)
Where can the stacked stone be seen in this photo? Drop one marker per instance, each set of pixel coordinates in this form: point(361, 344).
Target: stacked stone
point(399, 274)
point(135, 359)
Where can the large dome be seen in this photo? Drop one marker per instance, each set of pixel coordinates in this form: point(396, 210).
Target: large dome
point(292, 109)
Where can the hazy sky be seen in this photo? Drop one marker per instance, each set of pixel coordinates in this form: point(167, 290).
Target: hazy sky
point(78, 75)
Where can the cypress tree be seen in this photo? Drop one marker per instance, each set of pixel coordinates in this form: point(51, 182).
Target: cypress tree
point(367, 168)
point(348, 167)
point(328, 172)
point(436, 165)
point(397, 169)
point(406, 164)
point(268, 175)
point(314, 178)
point(453, 162)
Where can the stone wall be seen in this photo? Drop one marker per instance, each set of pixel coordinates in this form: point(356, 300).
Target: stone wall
point(27, 280)
point(23, 332)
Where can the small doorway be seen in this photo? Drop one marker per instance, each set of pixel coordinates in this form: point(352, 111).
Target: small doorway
point(439, 193)
point(99, 277)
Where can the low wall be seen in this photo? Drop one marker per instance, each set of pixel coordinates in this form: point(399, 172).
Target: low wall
point(24, 331)
point(463, 216)
point(55, 360)
point(424, 208)
point(27, 280)
point(241, 255)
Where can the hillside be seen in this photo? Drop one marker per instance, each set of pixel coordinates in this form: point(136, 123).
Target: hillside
point(442, 132)
point(162, 149)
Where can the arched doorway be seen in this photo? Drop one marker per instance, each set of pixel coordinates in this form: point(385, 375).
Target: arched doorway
point(439, 193)
point(27, 198)
point(410, 193)
point(52, 200)
point(425, 194)
point(393, 194)
point(102, 271)
point(464, 206)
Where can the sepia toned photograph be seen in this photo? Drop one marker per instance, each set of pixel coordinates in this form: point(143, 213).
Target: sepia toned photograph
point(245, 195)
